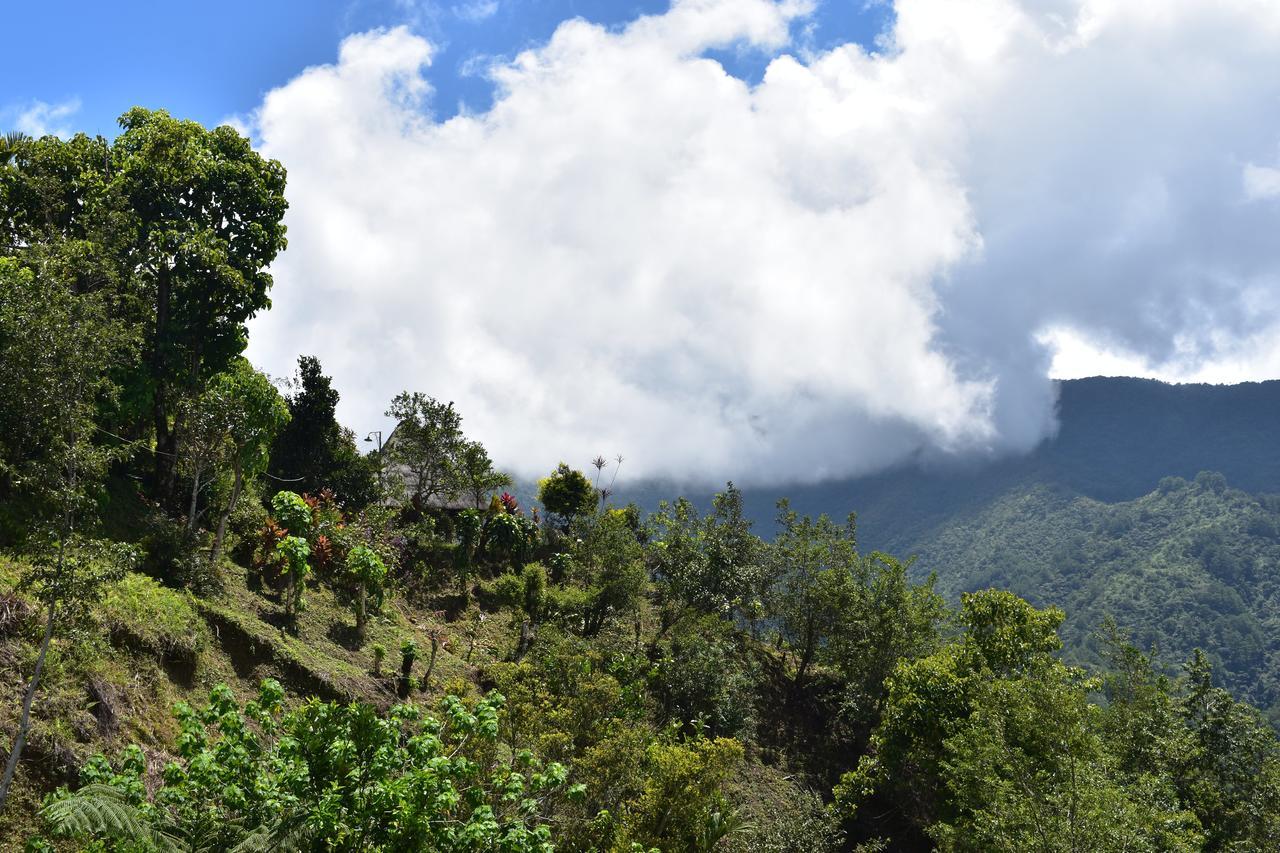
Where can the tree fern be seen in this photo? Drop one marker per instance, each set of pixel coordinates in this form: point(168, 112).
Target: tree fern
point(100, 811)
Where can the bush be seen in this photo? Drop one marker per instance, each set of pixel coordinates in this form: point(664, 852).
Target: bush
point(244, 526)
point(535, 589)
point(503, 591)
point(704, 682)
point(568, 604)
point(141, 613)
point(320, 776)
point(172, 554)
point(292, 512)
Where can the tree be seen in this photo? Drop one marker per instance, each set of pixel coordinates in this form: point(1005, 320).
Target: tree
point(477, 475)
point(712, 563)
point(314, 452)
point(253, 415)
point(367, 573)
point(56, 348)
point(294, 515)
point(1229, 772)
point(425, 447)
point(176, 224)
point(566, 494)
point(814, 563)
point(204, 216)
point(609, 566)
point(991, 743)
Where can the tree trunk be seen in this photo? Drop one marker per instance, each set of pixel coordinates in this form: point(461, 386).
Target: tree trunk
point(216, 553)
point(431, 662)
point(195, 493)
point(166, 457)
point(810, 645)
point(11, 766)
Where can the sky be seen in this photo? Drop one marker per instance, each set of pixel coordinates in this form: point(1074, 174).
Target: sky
point(767, 240)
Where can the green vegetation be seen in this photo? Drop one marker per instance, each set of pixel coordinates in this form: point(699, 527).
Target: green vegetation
point(581, 676)
point(1191, 565)
point(138, 611)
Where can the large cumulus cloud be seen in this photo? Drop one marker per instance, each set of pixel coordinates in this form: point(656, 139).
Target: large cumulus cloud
point(863, 257)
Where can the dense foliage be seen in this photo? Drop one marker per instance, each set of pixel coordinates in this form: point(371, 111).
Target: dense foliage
point(1192, 565)
point(320, 777)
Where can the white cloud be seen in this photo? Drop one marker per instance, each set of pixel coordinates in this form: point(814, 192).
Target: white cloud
point(1254, 358)
point(1261, 182)
point(854, 260)
point(42, 119)
point(476, 10)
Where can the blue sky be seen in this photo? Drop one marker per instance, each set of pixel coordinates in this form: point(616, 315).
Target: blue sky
point(208, 61)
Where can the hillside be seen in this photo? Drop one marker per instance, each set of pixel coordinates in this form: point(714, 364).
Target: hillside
point(224, 627)
point(1192, 564)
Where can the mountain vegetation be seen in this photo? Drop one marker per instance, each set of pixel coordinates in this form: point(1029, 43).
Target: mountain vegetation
point(1194, 564)
point(222, 627)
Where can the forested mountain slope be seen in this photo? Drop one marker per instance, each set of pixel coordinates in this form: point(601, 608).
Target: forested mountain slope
point(1192, 564)
point(1107, 518)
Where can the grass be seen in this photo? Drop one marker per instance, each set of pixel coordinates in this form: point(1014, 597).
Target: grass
point(140, 612)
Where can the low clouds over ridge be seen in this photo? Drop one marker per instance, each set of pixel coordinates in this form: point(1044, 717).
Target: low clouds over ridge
point(850, 262)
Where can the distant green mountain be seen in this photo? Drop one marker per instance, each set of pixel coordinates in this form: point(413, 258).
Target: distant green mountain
point(1192, 564)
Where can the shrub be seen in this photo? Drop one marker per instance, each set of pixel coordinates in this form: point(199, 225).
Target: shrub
point(365, 573)
point(243, 526)
point(321, 776)
point(292, 512)
point(295, 552)
point(503, 591)
point(535, 589)
point(510, 538)
point(704, 682)
point(141, 613)
point(170, 553)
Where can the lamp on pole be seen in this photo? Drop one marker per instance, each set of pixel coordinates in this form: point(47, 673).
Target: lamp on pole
point(369, 438)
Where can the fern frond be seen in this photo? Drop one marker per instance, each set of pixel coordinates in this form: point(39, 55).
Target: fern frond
point(288, 833)
point(100, 811)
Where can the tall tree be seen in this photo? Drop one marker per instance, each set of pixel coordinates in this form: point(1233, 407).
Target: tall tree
point(204, 213)
point(176, 223)
point(566, 494)
point(314, 451)
point(712, 563)
point(476, 474)
point(423, 451)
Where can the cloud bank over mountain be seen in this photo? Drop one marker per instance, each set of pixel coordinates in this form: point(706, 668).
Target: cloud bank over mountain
point(864, 257)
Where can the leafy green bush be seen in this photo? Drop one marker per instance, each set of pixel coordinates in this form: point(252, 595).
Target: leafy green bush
point(323, 777)
point(244, 526)
point(365, 574)
point(295, 551)
point(503, 591)
point(292, 512)
point(170, 553)
point(704, 682)
point(140, 612)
